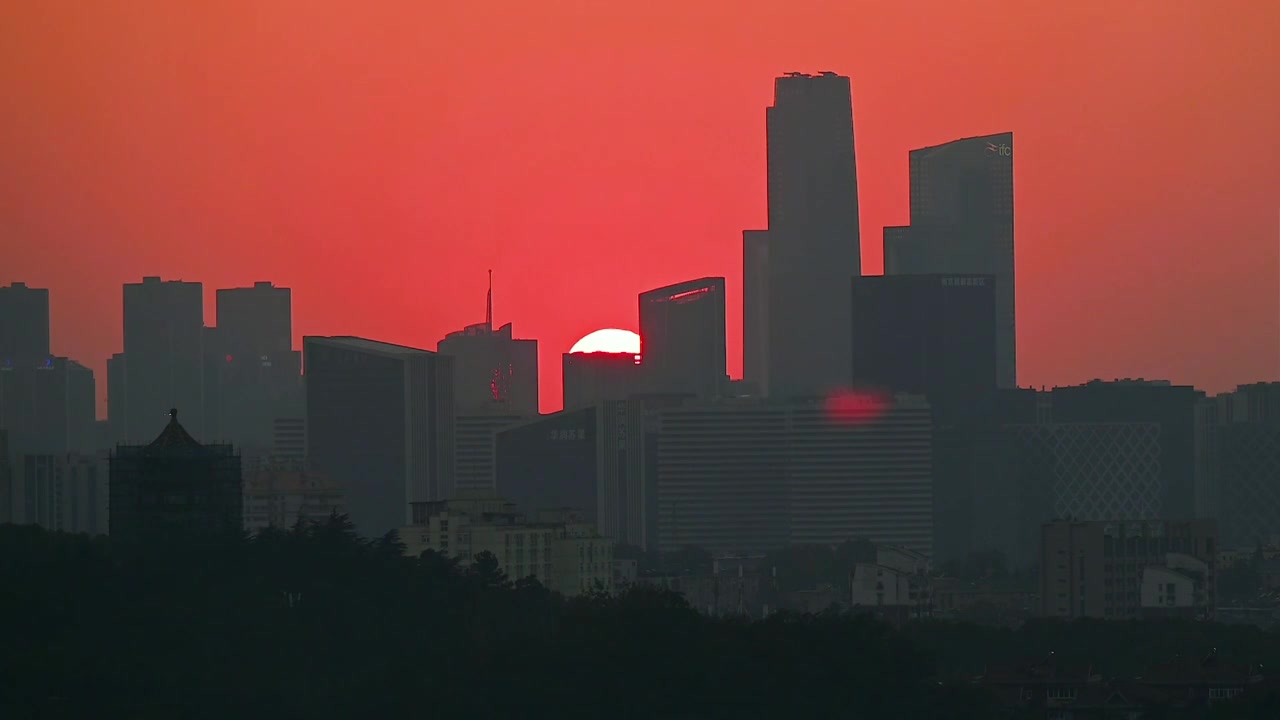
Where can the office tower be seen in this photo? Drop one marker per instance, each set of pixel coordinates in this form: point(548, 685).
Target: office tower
point(163, 341)
point(48, 405)
point(474, 453)
point(590, 378)
point(749, 477)
point(492, 370)
point(253, 374)
point(925, 334)
point(380, 422)
point(813, 234)
point(172, 488)
point(24, 322)
point(63, 492)
point(682, 338)
point(1172, 407)
point(1238, 461)
point(551, 461)
point(596, 459)
point(1124, 569)
point(962, 223)
point(755, 309)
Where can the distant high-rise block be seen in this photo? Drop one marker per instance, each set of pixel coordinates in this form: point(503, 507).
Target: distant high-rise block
point(380, 422)
point(117, 400)
point(813, 239)
point(63, 492)
point(1238, 461)
point(48, 405)
point(682, 338)
point(962, 223)
point(590, 378)
point(253, 374)
point(174, 487)
point(933, 335)
point(163, 340)
point(755, 309)
point(24, 322)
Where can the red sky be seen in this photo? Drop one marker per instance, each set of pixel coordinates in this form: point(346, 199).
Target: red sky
point(379, 157)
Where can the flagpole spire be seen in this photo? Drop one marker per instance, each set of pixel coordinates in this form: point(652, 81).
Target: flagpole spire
point(488, 304)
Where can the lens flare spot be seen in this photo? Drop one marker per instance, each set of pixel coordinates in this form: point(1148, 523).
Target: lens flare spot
point(857, 407)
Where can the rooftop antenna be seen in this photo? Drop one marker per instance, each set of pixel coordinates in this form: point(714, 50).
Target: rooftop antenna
point(488, 305)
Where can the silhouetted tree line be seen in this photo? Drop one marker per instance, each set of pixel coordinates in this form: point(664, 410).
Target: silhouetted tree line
point(318, 623)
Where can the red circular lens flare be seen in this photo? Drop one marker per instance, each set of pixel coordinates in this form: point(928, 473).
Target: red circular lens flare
point(856, 407)
point(228, 358)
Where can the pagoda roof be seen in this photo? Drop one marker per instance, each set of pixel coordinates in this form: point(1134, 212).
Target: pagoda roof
point(174, 438)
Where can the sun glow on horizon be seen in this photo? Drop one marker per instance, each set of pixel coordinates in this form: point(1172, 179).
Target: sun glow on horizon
point(609, 340)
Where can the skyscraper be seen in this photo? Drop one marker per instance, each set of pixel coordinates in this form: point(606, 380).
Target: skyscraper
point(258, 373)
point(925, 334)
point(755, 309)
point(380, 423)
point(163, 344)
point(962, 223)
point(492, 370)
point(24, 322)
point(813, 241)
point(682, 338)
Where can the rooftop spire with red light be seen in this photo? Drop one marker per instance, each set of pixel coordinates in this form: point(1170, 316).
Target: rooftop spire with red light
point(488, 304)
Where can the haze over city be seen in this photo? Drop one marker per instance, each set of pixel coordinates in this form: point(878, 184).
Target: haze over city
point(640, 360)
point(379, 160)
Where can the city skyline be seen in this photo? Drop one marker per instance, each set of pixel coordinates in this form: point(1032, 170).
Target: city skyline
point(356, 216)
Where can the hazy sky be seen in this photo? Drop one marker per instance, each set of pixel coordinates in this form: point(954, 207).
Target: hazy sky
point(380, 157)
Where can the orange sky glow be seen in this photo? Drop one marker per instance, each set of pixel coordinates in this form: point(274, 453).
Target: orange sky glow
point(379, 157)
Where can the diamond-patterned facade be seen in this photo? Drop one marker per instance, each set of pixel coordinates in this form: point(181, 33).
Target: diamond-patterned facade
point(1098, 471)
point(1248, 478)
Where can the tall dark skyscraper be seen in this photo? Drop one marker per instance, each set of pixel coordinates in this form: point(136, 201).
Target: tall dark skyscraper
point(380, 423)
point(24, 322)
point(813, 241)
point(933, 335)
point(493, 371)
point(962, 223)
point(755, 309)
point(682, 338)
point(254, 374)
point(164, 351)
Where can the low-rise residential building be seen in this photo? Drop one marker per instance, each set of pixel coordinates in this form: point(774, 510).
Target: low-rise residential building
point(281, 494)
point(896, 585)
point(1110, 570)
point(557, 547)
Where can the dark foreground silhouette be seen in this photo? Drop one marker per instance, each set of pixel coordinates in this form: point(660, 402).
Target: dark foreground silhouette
point(316, 623)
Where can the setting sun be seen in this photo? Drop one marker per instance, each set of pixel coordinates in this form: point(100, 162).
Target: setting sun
point(609, 340)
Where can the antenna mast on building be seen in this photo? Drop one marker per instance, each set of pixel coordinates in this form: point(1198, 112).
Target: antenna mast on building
point(488, 305)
